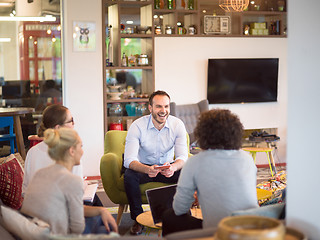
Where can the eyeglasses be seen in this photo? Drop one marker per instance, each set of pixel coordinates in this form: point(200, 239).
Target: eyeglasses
point(70, 121)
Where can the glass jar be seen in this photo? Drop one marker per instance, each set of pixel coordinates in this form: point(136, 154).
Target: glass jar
point(158, 30)
point(143, 60)
point(141, 109)
point(169, 30)
point(116, 112)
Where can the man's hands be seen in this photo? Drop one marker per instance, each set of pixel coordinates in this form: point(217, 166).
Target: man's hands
point(153, 171)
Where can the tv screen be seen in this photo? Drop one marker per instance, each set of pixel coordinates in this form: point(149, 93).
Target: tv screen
point(242, 80)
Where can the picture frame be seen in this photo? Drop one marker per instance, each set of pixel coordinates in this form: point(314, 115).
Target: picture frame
point(216, 24)
point(84, 36)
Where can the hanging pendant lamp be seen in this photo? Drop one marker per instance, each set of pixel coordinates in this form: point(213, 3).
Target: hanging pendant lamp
point(233, 5)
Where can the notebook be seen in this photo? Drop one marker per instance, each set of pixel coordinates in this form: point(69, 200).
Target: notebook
point(160, 199)
point(89, 191)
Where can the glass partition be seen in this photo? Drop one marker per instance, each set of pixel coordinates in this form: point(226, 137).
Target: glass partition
point(30, 63)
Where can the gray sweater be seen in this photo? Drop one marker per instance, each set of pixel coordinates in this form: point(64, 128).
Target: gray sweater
point(54, 195)
point(225, 181)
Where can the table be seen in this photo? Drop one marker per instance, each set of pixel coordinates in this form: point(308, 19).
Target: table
point(267, 150)
point(268, 142)
point(16, 113)
point(146, 220)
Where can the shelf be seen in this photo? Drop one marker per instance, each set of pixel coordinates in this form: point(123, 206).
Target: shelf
point(136, 35)
point(259, 13)
point(129, 100)
point(128, 3)
point(137, 67)
point(166, 11)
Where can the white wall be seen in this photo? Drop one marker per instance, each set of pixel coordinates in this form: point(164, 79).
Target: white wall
point(83, 82)
point(303, 211)
point(181, 70)
point(9, 54)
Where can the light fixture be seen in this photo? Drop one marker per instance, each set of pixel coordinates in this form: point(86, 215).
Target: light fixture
point(47, 18)
point(129, 22)
point(5, 39)
point(6, 4)
point(233, 5)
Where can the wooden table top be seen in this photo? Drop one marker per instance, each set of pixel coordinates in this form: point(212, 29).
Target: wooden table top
point(257, 149)
point(4, 112)
point(146, 219)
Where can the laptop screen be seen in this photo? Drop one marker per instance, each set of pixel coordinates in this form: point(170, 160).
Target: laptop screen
point(160, 199)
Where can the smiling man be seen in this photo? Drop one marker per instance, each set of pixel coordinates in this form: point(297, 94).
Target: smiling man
point(153, 141)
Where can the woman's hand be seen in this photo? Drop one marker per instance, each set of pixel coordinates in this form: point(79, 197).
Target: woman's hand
point(108, 220)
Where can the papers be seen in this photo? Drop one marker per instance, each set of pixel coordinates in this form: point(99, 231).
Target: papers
point(89, 191)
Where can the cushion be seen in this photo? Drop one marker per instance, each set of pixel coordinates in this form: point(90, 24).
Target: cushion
point(273, 211)
point(12, 156)
point(23, 227)
point(11, 178)
point(111, 235)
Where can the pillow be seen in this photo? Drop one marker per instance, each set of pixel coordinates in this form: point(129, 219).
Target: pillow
point(111, 235)
point(24, 228)
point(11, 178)
point(272, 211)
point(12, 156)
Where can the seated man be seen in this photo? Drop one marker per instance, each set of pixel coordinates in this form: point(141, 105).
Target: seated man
point(151, 141)
point(223, 175)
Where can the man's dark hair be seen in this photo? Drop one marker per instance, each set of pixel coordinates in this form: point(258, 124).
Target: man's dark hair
point(219, 129)
point(159, 92)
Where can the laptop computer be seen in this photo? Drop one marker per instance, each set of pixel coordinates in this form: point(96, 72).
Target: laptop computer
point(160, 199)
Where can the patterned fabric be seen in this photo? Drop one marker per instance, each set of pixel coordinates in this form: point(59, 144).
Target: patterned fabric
point(276, 185)
point(11, 177)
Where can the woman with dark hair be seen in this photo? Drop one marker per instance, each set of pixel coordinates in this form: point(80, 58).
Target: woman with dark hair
point(223, 175)
point(53, 117)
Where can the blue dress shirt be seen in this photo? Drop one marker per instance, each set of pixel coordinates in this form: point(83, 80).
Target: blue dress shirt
point(148, 145)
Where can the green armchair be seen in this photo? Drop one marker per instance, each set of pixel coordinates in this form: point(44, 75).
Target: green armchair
point(111, 165)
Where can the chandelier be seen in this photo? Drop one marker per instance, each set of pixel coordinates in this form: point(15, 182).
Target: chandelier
point(233, 5)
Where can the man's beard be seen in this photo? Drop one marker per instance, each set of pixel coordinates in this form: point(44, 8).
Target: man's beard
point(155, 117)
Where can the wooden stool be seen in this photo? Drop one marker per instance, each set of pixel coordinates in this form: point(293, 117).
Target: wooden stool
point(254, 150)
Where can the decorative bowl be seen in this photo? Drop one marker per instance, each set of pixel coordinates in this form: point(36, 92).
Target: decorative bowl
point(250, 227)
point(114, 88)
point(143, 29)
point(114, 95)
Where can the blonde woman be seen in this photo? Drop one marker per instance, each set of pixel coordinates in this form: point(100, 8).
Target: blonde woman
point(55, 194)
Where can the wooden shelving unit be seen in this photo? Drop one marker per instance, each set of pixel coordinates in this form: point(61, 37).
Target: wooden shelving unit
point(142, 13)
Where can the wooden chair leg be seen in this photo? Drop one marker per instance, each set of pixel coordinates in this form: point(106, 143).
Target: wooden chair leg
point(120, 212)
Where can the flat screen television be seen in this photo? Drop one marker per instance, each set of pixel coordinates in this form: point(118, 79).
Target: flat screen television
point(242, 80)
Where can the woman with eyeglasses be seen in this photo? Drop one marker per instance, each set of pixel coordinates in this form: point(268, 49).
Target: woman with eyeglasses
point(54, 194)
point(54, 116)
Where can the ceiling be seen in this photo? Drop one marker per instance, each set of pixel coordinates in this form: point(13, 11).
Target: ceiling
point(5, 10)
point(6, 6)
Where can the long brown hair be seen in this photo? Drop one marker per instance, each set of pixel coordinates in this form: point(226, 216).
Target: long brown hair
point(52, 115)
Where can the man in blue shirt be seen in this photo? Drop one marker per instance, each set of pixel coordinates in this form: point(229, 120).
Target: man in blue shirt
point(153, 140)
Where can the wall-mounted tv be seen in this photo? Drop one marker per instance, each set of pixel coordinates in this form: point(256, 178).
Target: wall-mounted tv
point(242, 80)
